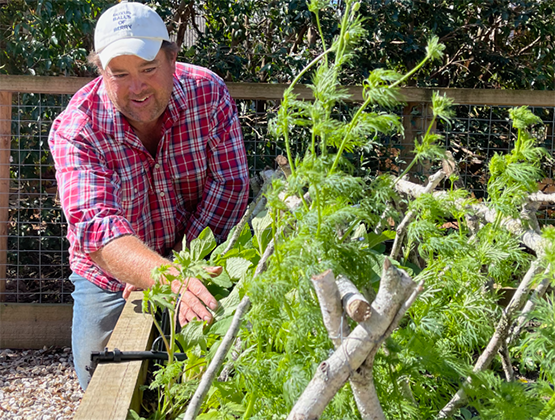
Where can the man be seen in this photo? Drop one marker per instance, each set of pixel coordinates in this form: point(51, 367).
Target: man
point(145, 154)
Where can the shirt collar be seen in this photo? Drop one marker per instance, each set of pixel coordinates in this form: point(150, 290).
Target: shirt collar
point(177, 102)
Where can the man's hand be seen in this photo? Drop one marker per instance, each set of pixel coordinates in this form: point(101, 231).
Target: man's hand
point(128, 289)
point(194, 297)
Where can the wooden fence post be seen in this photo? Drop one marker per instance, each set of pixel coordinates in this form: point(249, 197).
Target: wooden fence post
point(5, 146)
point(416, 118)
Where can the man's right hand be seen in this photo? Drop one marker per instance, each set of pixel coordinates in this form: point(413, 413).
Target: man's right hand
point(194, 297)
point(193, 293)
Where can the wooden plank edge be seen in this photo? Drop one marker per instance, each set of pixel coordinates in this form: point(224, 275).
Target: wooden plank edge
point(5, 146)
point(35, 325)
point(493, 97)
point(274, 91)
point(115, 387)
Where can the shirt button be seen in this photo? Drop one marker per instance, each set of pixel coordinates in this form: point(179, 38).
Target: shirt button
point(136, 190)
point(162, 193)
point(157, 166)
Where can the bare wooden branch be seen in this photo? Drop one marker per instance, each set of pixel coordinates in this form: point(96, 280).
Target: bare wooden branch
point(364, 392)
point(227, 341)
point(403, 309)
point(528, 213)
point(235, 353)
point(541, 197)
point(385, 218)
point(217, 361)
point(330, 304)
point(262, 264)
point(449, 165)
point(283, 164)
point(293, 203)
point(506, 362)
point(395, 287)
point(254, 208)
point(354, 302)
point(362, 381)
point(244, 220)
point(433, 182)
point(528, 237)
point(372, 410)
point(499, 336)
point(260, 205)
point(538, 293)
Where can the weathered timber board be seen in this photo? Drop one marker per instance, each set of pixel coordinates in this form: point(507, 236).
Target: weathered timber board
point(35, 325)
point(5, 145)
point(274, 91)
point(114, 387)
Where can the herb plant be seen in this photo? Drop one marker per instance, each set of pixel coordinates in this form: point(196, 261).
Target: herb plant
point(345, 222)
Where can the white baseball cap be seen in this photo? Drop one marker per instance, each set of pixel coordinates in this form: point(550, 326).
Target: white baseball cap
point(129, 29)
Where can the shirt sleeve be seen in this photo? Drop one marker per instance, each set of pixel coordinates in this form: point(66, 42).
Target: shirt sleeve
point(89, 192)
point(226, 191)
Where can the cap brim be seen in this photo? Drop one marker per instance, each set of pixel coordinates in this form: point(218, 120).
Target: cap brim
point(147, 49)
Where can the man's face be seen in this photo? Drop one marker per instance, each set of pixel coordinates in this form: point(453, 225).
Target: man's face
point(140, 89)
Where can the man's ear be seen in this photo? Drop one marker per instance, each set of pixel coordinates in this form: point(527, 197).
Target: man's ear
point(173, 59)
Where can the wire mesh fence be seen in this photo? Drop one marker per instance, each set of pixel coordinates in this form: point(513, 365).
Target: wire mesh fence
point(37, 258)
point(481, 131)
point(37, 266)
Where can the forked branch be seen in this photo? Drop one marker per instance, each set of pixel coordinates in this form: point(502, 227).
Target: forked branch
point(433, 182)
point(395, 288)
point(362, 381)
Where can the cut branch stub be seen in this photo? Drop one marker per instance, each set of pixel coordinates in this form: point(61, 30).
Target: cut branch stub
point(355, 304)
point(283, 165)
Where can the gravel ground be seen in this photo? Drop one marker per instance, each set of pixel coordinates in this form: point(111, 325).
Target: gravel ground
point(38, 385)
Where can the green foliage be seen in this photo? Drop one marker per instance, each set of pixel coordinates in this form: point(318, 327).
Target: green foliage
point(497, 399)
point(343, 222)
point(537, 353)
point(536, 346)
point(254, 41)
point(284, 338)
point(176, 381)
point(487, 44)
point(515, 175)
point(51, 37)
point(491, 44)
point(327, 231)
point(428, 148)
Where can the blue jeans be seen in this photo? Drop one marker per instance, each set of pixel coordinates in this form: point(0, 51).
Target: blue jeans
point(95, 314)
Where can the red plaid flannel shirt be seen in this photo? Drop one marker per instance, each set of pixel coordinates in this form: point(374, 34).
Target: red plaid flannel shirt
point(110, 185)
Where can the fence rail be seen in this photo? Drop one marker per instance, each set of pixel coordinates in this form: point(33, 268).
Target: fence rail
point(22, 235)
point(259, 91)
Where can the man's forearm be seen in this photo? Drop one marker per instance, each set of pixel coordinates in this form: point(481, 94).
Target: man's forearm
point(129, 260)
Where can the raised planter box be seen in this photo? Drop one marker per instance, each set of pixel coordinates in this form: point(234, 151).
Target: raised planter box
point(114, 387)
point(35, 325)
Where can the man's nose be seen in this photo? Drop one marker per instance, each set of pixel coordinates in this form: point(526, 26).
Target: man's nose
point(136, 85)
